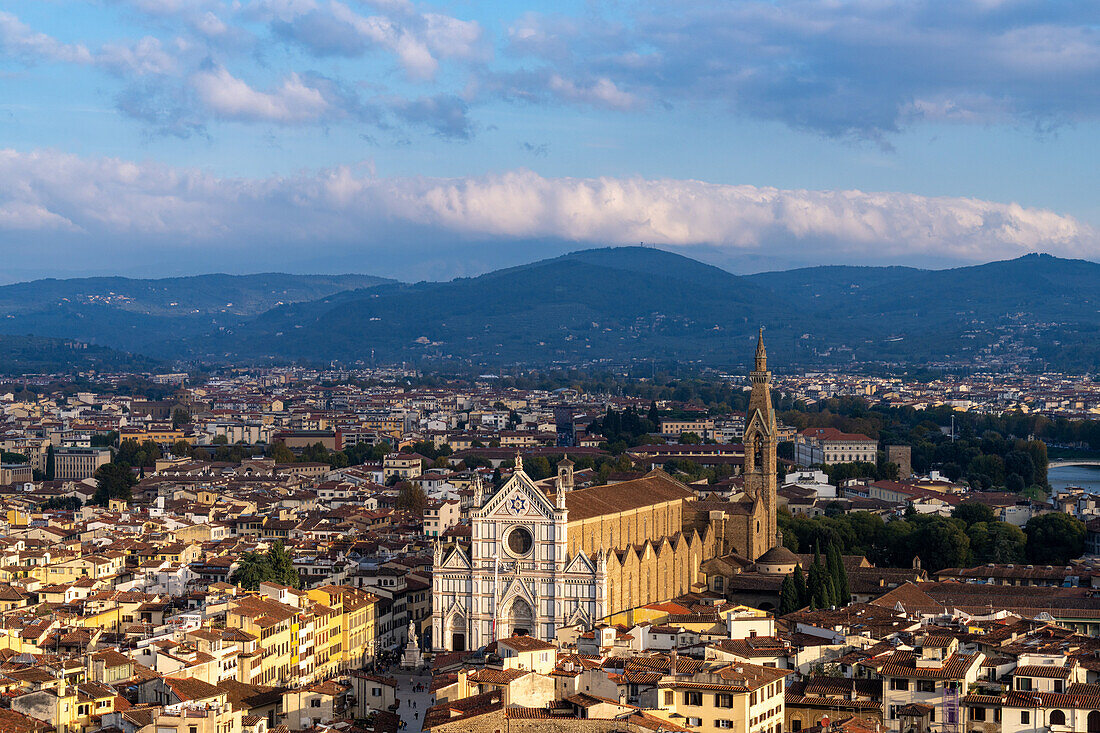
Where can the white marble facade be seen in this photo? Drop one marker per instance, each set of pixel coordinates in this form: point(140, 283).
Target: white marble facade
point(517, 575)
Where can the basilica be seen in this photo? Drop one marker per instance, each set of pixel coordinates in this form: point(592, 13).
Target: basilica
point(537, 561)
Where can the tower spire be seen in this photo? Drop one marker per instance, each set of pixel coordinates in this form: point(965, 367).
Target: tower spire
point(761, 353)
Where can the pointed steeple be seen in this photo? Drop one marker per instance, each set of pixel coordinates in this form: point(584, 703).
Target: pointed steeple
point(761, 353)
point(760, 399)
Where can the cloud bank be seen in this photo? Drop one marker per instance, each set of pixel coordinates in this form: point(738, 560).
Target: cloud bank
point(61, 198)
point(859, 70)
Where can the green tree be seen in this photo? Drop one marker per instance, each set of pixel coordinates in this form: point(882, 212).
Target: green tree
point(997, 542)
point(104, 441)
point(279, 453)
point(788, 597)
point(973, 512)
point(1054, 538)
point(839, 574)
point(220, 440)
point(282, 566)
point(941, 543)
point(113, 481)
point(250, 571)
point(68, 503)
point(50, 469)
point(180, 417)
point(411, 498)
point(800, 587)
point(273, 566)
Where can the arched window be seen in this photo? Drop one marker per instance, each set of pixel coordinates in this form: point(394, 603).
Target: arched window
point(1057, 717)
point(1094, 722)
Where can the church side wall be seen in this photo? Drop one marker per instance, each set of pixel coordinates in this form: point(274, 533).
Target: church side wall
point(659, 573)
point(633, 527)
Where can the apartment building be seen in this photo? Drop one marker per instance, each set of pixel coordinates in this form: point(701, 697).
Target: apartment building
point(923, 686)
point(703, 427)
point(76, 464)
point(820, 446)
point(743, 697)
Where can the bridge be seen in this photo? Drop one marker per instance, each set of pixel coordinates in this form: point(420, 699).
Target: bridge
point(1060, 464)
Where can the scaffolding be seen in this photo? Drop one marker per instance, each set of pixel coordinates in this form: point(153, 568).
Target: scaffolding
point(951, 722)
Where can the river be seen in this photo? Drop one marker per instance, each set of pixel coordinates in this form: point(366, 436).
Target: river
point(1086, 477)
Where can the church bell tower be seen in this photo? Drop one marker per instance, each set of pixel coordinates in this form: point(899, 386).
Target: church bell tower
point(761, 440)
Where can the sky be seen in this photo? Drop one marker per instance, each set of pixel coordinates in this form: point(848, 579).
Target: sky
point(431, 140)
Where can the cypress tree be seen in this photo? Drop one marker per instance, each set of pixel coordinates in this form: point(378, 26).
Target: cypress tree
point(840, 576)
point(50, 470)
point(788, 597)
point(818, 597)
point(800, 587)
point(830, 590)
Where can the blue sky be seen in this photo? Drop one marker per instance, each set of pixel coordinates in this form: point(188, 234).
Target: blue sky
point(434, 139)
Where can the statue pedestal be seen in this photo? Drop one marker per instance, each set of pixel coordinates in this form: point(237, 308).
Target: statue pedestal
point(411, 658)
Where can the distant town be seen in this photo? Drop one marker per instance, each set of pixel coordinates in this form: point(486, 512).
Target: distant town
point(389, 549)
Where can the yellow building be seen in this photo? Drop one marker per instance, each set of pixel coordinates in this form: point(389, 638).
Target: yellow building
point(161, 437)
point(357, 622)
point(275, 624)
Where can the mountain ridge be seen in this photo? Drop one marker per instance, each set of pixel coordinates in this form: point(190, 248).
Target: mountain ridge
point(629, 304)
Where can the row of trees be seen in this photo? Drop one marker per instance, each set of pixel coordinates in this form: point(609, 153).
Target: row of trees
point(626, 429)
point(826, 586)
point(971, 536)
point(988, 452)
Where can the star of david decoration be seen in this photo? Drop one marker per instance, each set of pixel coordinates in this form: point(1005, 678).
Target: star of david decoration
point(517, 505)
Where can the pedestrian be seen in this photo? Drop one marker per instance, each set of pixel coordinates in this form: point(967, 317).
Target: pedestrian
point(416, 716)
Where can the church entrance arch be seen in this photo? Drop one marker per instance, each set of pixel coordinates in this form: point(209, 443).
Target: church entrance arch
point(519, 619)
point(455, 633)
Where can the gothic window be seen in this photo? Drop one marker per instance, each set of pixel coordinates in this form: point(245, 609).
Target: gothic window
point(758, 452)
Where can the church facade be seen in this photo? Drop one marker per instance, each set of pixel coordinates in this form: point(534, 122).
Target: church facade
point(539, 561)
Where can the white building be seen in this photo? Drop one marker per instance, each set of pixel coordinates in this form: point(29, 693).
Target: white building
point(518, 576)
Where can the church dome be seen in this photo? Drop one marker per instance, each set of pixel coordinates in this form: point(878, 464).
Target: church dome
point(777, 561)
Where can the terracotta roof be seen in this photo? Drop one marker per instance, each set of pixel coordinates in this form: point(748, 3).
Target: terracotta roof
point(526, 644)
point(657, 487)
point(903, 664)
point(1042, 670)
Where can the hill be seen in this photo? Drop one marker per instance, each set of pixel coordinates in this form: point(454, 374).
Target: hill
point(20, 355)
point(139, 314)
point(617, 303)
point(611, 305)
point(634, 303)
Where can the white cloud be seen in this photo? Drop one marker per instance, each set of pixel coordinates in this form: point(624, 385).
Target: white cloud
point(115, 200)
point(19, 40)
point(146, 56)
point(417, 39)
point(600, 93)
point(231, 98)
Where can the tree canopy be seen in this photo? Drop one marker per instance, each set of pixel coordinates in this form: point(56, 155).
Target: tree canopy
point(273, 566)
point(1054, 538)
point(113, 481)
